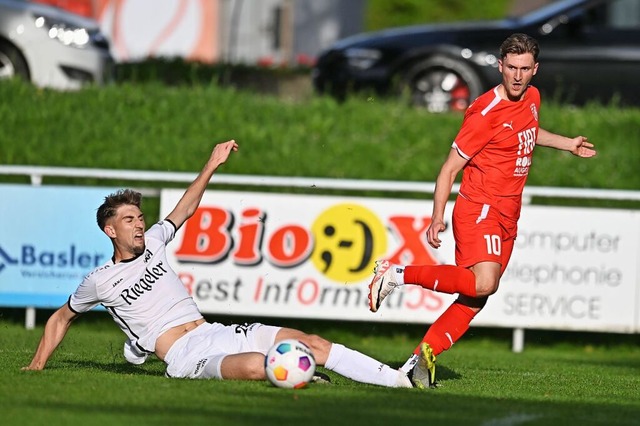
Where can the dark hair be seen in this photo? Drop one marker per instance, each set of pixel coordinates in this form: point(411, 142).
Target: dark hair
point(113, 201)
point(519, 44)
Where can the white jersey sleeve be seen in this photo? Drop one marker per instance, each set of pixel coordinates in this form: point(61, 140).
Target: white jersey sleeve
point(165, 230)
point(86, 297)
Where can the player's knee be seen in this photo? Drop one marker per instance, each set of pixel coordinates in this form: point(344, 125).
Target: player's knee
point(242, 366)
point(318, 345)
point(486, 288)
point(255, 369)
point(487, 278)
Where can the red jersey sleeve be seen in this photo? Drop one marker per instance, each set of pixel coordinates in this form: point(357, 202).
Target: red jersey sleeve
point(477, 128)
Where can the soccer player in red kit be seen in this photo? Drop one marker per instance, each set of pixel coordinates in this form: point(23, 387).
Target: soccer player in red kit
point(494, 149)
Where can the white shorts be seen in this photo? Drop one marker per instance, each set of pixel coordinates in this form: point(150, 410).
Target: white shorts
point(199, 353)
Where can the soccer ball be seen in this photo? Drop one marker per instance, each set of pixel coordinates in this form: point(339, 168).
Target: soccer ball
point(290, 364)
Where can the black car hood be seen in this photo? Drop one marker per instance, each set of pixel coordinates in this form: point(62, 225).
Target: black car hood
point(458, 33)
point(418, 35)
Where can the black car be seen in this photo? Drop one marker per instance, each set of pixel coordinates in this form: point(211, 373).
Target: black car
point(590, 50)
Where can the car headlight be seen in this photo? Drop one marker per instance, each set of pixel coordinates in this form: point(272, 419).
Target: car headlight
point(481, 58)
point(362, 59)
point(66, 33)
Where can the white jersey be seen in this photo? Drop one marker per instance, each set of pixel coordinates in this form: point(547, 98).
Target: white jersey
point(144, 295)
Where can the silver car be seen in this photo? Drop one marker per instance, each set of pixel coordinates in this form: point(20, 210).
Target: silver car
point(50, 47)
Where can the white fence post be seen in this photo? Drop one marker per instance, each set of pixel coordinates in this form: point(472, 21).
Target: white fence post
point(517, 345)
point(30, 318)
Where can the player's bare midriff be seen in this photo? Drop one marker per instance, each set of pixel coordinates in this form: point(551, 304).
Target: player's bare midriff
point(169, 337)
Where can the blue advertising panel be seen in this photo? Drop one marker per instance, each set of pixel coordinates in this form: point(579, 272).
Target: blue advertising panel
point(49, 241)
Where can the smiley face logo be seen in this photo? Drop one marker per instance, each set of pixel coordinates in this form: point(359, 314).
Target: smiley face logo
point(349, 239)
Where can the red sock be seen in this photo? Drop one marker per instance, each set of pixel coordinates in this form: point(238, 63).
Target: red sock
point(448, 328)
point(442, 278)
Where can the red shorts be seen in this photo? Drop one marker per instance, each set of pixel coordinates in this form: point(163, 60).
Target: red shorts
point(481, 234)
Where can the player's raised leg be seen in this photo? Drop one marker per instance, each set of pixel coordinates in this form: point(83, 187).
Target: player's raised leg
point(448, 279)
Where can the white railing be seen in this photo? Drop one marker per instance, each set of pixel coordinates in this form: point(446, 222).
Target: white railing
point(38, 173)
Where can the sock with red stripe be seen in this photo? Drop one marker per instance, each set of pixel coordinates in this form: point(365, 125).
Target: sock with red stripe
point(442, 278)
point(448, 328)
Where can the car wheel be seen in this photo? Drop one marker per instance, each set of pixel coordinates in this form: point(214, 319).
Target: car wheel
point(12, 64)
point(442, 84)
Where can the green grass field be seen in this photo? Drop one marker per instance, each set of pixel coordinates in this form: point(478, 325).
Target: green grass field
point(559, 379)
point(154, 127)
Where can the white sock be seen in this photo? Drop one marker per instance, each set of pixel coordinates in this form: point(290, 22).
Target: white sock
point(408, 365)
point(362, 368)
point(398, 271)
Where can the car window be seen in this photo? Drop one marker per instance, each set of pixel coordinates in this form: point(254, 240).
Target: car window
point(602, 23)
point(615, 15)
point(625, 14)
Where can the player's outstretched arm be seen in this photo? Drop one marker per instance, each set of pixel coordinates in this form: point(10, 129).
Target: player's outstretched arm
point(578, 146)
point(54, 331)
point(190, 200)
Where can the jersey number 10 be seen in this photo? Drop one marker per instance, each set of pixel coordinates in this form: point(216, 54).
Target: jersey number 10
point(493, 244)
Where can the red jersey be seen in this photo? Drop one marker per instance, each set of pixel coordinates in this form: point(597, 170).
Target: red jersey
point(497, 137)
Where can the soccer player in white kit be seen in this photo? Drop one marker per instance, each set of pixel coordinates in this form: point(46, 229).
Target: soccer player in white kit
point(151, 306)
